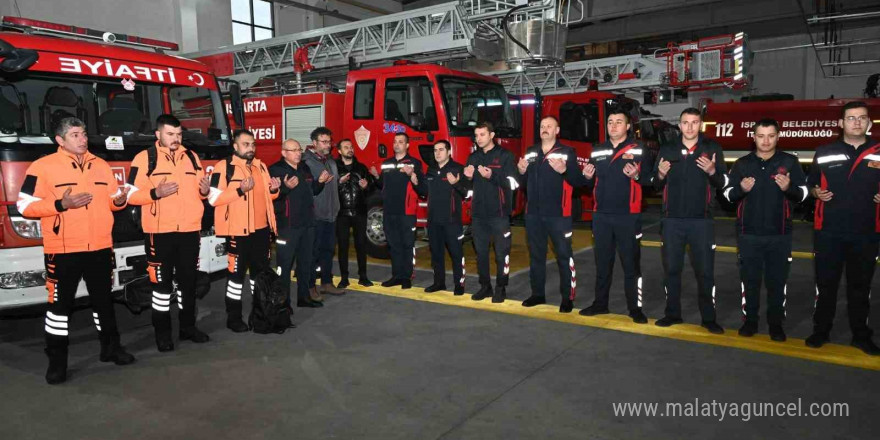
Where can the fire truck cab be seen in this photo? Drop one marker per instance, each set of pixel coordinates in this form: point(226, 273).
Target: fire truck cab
point(428, 102)
point(118, 92)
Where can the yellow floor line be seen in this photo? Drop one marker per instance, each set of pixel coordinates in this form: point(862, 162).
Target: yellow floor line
point(830, 353)
point(732, 249)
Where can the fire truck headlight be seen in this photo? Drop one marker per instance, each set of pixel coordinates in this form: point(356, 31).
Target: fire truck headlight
point(19, 280)
point(27, 228)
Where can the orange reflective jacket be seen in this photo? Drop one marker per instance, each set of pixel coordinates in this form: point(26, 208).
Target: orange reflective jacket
point(236, 211)
point(70, 230)
point(179, 212)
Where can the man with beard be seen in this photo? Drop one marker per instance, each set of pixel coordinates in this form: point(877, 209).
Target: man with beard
point(168, 181)
point(400, 175)
point(354, 185)
point(550, 172)
point(318, 160)
point(491, 170)
point(688, 171)
point(242, 192)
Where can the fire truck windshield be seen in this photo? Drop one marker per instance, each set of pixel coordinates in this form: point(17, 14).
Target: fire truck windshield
point(117, 114)
point(469, 102)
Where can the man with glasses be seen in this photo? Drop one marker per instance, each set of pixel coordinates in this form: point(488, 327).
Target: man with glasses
point(318, 160)
point(295, 215)
point(845, 180)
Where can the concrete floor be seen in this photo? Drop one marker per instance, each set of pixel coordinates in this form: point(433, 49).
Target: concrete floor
point(373, 366)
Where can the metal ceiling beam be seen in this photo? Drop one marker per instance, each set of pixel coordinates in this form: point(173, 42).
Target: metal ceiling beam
point(334, 13)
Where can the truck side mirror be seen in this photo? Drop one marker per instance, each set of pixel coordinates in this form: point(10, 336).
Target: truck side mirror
point(237, 104)
point(383, 151)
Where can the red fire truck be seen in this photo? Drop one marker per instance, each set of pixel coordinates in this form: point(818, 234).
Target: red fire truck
point(118, 92)
point(804, 124)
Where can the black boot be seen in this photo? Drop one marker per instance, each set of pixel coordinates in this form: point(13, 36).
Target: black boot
point(484, 292)
point(112, 351)
point(533, 300)
point(57, 372)
point(236, 324)
point(436, 287)
point(193, 334)
point(500, 294)
point(566, 306)
point(343, 283)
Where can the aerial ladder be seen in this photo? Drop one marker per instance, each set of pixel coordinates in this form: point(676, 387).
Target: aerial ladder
point(530, 36)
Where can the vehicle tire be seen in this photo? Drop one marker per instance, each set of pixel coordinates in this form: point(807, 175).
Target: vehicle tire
point(377, 245)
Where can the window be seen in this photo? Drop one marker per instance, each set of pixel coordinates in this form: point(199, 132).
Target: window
point(469, 102)
point(363, 99)
point(252, 20)
point(579, 122)
point(410, 101)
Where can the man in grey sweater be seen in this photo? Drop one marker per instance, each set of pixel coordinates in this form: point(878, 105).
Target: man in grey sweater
point(318, 159)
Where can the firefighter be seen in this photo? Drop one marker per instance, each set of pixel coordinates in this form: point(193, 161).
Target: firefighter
point(688, 171)
point(492, 172)
point(400, 201)
point(845, 178)
point(242, 192)
point(295, 214)
point(616, 172)
point(168, 181)
point(355, 183)
point(765, 184)
point(550, 172)
point(73, 193)
point(318, 160)
point(445, 189)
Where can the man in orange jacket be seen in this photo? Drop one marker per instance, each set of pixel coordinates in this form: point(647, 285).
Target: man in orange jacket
point(73, 192)
point(242, 191)
point(168, 181)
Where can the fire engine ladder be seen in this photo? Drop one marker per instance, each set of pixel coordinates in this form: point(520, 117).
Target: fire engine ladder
point(614, 73)
point(458, 29)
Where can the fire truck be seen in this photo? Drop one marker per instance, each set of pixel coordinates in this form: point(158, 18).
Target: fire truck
point(804, 124)
point(292, 86)
point(49, 71)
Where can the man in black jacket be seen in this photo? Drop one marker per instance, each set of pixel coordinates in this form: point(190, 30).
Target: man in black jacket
point(764, 184)
point(550, 172)
point(445, 189)
point(400, 201)
point(354, 185)
point(688, 171)
point(295, 217)
point(492, 171)
point(616, 172)
point(845, 180)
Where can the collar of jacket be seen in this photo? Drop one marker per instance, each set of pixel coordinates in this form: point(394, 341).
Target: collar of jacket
point(86, 157)
point(701, 141)
point(164, 150)
point(318, 155)
point(629, 140)
point(239, 162)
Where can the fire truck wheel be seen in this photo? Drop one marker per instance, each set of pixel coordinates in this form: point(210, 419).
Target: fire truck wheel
point(377, 246)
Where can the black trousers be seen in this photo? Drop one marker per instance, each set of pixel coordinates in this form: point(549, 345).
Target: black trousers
point(63, 273)
point(244, 252)
point(699, 234)
point(358, 226)
point(767, 257)
point(444, 237)
point(559, 230)
point(859, 254)
point(173, 256)
point(486, 231)
point(400, 232)
point(623, 233)
point(295, 245)
point(322, 252)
